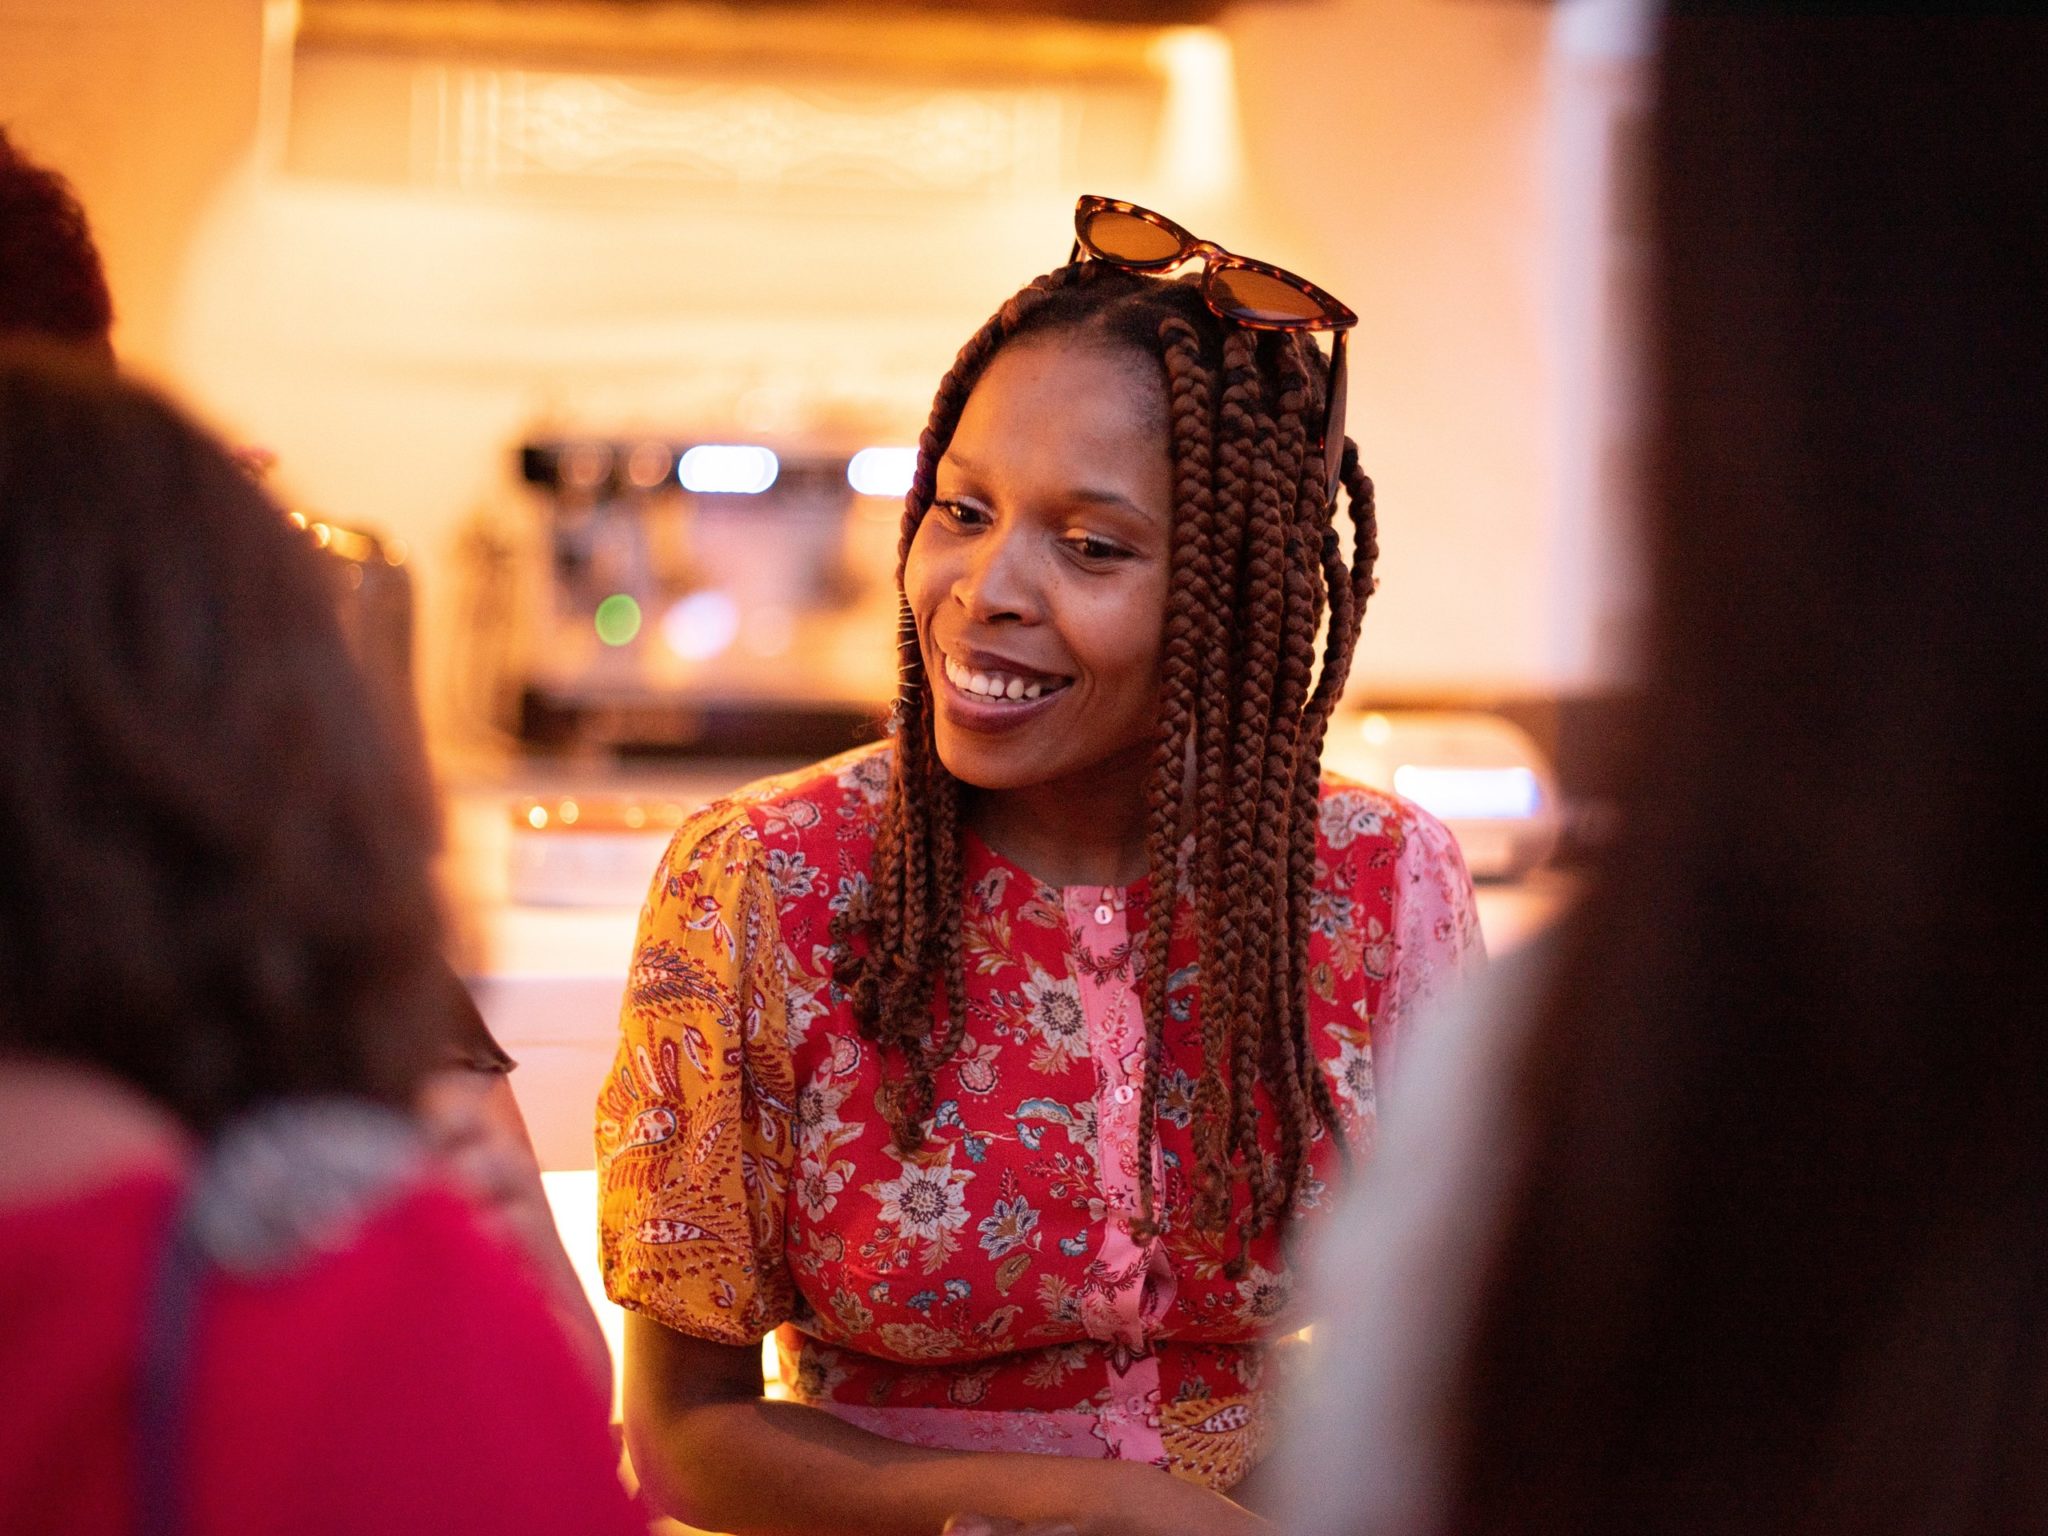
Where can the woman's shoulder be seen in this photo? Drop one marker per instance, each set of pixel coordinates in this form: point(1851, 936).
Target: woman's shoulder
point(415, 1328)
point(835, 801)
point(1392, 859)
point(1377, 823)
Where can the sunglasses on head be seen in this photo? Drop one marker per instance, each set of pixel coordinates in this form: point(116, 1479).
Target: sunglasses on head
point(1254, 294)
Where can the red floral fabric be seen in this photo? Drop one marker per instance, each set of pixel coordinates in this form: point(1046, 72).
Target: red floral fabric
point(986, 1291)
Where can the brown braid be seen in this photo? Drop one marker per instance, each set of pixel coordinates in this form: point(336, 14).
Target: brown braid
point(1218, 512)
point(1283, 967)
point(1296, 765)
point(1245, 701)
point(1185, 639)
point(1261, 619)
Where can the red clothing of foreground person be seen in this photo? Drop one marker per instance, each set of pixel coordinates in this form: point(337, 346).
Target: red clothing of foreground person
point(986, 1293)
point(409, 1381)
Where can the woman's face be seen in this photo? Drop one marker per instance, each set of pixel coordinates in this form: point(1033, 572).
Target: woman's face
point(1038, 577)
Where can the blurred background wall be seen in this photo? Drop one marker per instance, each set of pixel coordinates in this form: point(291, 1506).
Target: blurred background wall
point(390, 240)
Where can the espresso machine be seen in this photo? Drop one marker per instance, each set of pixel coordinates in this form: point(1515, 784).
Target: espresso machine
point(718, 598)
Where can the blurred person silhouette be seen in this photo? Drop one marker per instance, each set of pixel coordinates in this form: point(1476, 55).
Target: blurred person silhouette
point(235, 1292)
point(53, 291)
point(1725, 1215)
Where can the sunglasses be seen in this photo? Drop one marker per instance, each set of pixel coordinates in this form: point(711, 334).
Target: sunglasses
point(1254, 294)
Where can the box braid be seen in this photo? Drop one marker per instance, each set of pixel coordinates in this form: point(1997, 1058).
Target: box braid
point(1245, 702)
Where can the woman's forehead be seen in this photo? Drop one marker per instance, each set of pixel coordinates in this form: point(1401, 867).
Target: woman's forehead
point(1088, 402)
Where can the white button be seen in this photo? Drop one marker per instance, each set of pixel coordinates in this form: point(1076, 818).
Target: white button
point(1124, 1093)
point(1103, 914)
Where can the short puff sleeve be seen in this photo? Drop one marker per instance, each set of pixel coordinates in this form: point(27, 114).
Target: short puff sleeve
point(694, 1122)
point(1437, 941)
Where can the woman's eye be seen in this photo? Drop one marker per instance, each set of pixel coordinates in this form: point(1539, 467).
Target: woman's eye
point(1089, 547)
point(962, 513)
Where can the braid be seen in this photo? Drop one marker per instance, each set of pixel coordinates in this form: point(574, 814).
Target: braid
point(1219, 842)
point(1242, 452)
point(1192, 579)
point(948, 886)
point(1294, 788)
point(1285, 1015)
point(1347, 614)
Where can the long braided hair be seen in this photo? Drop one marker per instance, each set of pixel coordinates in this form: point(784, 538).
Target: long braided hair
point(1245, 699)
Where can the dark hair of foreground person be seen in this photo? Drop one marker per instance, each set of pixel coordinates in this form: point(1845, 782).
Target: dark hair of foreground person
point(217, 850)
point(51, 280)
point(1773, 1259)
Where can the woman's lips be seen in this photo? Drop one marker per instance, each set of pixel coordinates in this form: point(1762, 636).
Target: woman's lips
point(990, 712)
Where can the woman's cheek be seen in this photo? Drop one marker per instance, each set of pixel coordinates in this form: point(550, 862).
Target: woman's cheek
point(1122, 641)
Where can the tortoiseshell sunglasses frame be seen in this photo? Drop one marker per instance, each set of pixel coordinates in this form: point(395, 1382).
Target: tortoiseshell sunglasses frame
point(1335, 316)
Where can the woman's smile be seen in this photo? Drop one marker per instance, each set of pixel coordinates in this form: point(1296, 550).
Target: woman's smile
point(983, 691)
point(1038, 575)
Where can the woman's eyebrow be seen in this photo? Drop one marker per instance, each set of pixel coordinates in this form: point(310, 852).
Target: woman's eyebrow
point(1107, 498)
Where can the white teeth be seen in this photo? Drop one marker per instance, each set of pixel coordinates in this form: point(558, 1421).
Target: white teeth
point(992, 685)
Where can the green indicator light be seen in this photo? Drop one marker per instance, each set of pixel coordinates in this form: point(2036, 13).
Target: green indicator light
point(618, 619)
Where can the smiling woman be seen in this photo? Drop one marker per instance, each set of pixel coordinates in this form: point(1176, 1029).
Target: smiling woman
point(998, 1065)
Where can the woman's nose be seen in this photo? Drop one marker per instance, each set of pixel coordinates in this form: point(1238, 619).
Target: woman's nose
point(997, 582)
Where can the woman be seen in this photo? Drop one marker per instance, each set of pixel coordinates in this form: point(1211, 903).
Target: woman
point(226, 1258)
point(906, 1067)
point(53, 292)
point(1727, 1216)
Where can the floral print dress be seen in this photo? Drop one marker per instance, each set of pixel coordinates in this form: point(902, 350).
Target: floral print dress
point(985, 1292)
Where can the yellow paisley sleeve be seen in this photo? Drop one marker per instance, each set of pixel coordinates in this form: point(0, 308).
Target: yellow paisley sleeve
point(694, 1122)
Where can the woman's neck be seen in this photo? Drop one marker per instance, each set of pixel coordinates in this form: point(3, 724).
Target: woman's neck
point(1088, 830)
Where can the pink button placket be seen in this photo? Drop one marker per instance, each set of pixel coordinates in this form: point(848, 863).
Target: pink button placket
point(1130, 1284)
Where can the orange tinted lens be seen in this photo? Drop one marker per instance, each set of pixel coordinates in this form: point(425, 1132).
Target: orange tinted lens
point(1126, 237)
point(1253, 295)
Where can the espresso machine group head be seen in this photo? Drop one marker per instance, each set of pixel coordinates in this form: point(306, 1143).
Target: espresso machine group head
point(711, 597)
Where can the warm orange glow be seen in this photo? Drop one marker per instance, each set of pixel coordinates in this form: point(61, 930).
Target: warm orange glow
point(1201, 158)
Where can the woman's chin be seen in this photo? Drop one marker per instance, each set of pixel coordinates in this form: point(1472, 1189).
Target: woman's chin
point(981, 764)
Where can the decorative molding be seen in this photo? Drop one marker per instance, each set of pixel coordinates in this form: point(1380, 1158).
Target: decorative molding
point(491, 129)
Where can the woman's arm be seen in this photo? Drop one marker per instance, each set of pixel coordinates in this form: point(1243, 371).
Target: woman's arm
point(712, 1452)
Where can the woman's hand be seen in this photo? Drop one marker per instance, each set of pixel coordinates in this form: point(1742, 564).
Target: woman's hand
point(1122, 1498)
point(1240, 1523)
point(709, 1450)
